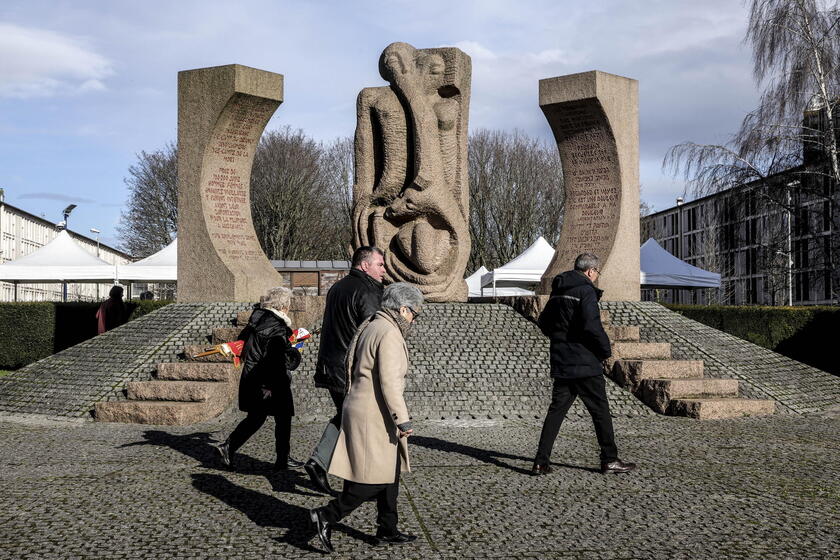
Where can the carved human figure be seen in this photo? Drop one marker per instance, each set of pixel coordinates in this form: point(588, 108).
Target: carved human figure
point(411, 190)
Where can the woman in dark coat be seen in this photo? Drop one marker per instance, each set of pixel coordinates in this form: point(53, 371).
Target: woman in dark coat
point(112, 312)
point(265, 385)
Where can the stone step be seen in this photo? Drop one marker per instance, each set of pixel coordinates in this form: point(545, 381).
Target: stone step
point(196, 371)
point(167, 413)
point(658, 393)
point(629, 373)
point(225, 334)
point(714, 409)
point(242, 317)
point(181, 391)
point(623, 333)
point(641, 351)
point(605, 317)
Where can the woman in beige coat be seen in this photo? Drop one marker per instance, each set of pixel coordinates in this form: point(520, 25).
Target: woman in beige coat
point(372, 449)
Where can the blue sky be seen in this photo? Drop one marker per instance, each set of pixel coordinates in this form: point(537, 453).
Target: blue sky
point(85, 85)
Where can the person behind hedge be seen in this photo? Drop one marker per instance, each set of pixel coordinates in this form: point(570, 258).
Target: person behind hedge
point(372, 447)
point(112, 312)
point(265, 385)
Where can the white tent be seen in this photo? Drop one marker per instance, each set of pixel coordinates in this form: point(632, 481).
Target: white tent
point(661, 269)
point(160, 267)
point(474, 282)
point(522, 274)
point(60, 260)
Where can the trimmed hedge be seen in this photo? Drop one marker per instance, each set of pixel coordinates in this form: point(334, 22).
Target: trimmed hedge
point(34, 330)
point(805, 334)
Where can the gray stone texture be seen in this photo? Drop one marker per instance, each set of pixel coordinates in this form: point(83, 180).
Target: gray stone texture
point(411, 191)
point(70, 382)
point(595, 120)
point(751, 489)
point(222, 112)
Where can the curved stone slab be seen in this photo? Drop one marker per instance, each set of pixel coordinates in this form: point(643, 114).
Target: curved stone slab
point(411, 192)
point(222, 112)
point(595, 119)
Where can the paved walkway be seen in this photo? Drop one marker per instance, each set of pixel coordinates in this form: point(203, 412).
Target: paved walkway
point(751, 488)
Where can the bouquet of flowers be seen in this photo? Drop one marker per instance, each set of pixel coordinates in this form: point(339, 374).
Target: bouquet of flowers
point(299, 337)
point(227, 349)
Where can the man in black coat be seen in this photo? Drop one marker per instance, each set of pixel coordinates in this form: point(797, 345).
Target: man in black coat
point(265, 385)
point(350, 301)
point(579, 346)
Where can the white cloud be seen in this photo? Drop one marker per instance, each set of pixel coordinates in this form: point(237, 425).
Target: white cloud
point(476, 50)
point(41, 63)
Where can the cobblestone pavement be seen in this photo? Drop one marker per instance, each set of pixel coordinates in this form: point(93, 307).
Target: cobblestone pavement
point(752, 488)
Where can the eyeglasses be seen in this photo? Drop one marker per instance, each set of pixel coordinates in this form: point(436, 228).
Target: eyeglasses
point(413, 312)
point(598, 270)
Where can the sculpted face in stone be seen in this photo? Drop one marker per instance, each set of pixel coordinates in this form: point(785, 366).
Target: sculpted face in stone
point(410, 192)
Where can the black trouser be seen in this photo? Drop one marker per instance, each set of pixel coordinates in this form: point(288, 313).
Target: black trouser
point(592, 391)
point(253, 422)
point(355, 494)
point(324, 450)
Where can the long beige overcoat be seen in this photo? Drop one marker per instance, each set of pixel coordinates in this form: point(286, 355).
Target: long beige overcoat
point(368, 443)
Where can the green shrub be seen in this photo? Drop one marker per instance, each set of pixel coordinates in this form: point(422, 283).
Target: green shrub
point(32, 331)
point(805, 334)
point(27, 333)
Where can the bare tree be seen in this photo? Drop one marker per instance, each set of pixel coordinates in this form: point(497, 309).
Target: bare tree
point(796, 50)
point(294, 204)
point(516, 195)
point(786, 149)
point(337, 167)
point(300, 198)
point(150, 221)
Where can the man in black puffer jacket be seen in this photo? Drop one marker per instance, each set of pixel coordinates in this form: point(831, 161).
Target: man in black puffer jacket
point(350, 301)
point(579, 346)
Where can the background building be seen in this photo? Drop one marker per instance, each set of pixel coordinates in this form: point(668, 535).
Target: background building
point(774, 243)
point(22, 233)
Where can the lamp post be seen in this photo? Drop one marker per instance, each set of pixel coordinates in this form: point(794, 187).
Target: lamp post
point(96, 232)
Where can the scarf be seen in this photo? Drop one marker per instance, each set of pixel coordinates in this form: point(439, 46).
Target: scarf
point(403, 325)
point(282, 316)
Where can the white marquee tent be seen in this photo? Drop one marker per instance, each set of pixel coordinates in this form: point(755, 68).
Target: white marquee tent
point(522, 274)
point(60, 260)
point(160, 267)
point(474, 282)
point(661, 269)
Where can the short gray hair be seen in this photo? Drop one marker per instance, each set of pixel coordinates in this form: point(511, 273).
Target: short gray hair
point(402, 294)
point(277, 298)
point(586, 261)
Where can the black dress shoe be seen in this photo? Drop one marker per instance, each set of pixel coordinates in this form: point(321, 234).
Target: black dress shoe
point(322, 527)
point(288, 463)
point(397, 538)
point(318, 476)
point(224, 452)
point(538, 470)
point(618, 466)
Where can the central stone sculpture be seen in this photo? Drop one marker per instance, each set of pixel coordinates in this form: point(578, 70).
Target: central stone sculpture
point(411, 191)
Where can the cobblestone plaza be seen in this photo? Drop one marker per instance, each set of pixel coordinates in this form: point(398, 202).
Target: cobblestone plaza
point(748, 488)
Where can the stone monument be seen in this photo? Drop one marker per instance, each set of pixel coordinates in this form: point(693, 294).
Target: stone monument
point(595, 119)
point(222, 112)
point(411, 191)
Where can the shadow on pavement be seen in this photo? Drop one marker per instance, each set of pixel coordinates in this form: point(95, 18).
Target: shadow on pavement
point(199, 446)
point(484, 455)
point(261, 509)
point(267, 511)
